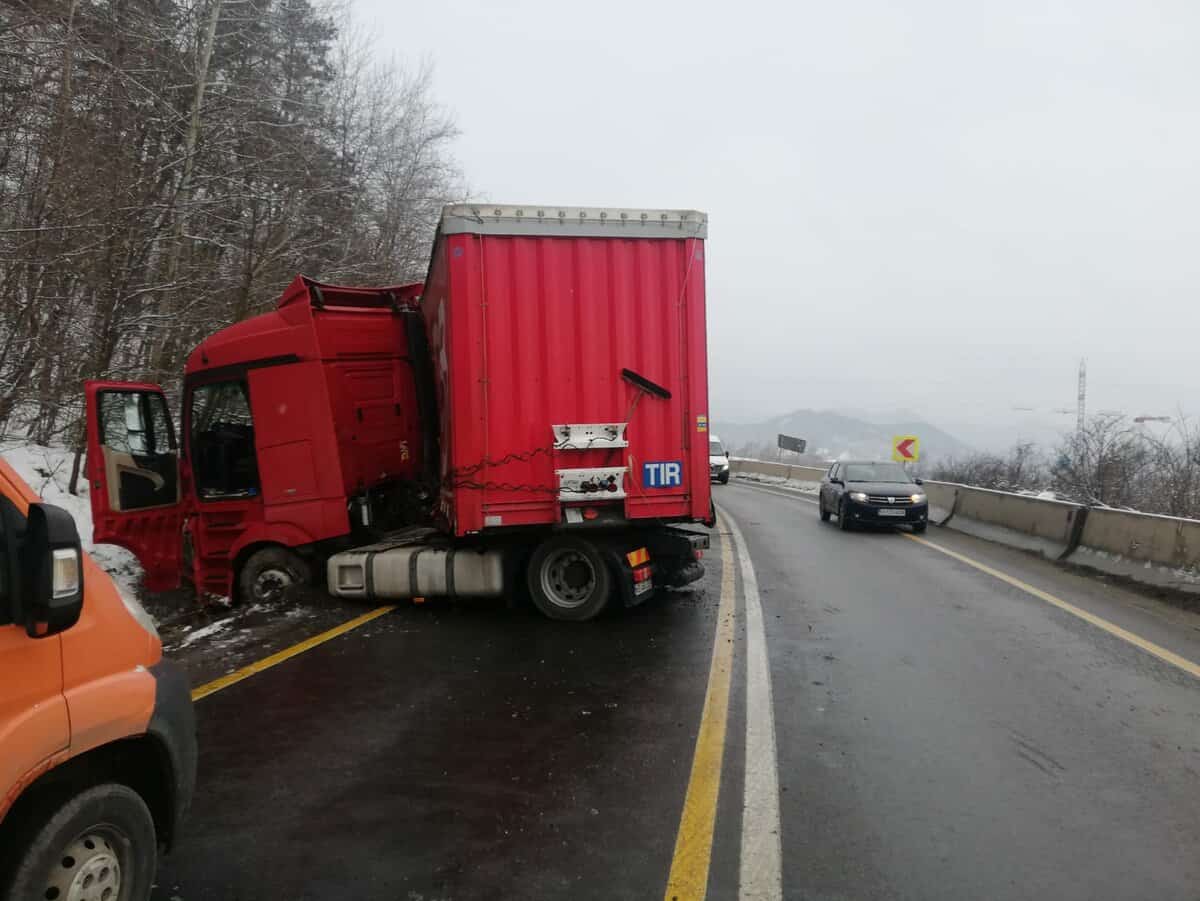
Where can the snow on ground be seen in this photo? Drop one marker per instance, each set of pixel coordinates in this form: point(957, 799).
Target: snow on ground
point(47, 470)
point(795, 484)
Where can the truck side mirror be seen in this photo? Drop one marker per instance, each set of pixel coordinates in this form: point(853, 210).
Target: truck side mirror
point(52, 561)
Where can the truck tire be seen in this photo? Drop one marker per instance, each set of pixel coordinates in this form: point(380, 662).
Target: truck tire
point(569, 579)
point(271, 575)
point(98, 844)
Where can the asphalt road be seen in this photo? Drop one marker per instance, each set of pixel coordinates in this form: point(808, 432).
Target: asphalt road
point(937, 733)
point(942, 734)
point(454, 751)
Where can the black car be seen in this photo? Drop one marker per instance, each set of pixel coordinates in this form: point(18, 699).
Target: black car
point(873, 494)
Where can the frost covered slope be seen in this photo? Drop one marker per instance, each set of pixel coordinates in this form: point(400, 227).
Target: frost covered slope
point(47, 470)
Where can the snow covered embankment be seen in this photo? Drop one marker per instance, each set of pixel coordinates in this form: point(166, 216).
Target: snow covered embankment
point(47, 470)
point(793, 484)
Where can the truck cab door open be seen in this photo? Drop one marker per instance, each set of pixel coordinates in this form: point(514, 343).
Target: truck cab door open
point(133, 471)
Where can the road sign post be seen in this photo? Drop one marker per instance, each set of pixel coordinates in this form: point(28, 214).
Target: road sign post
point(906, 448)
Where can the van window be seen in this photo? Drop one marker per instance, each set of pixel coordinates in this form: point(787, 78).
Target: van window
point(10, 521)
point(222, 441)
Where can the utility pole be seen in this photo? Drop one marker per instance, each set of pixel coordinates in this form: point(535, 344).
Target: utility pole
point(1081, 406)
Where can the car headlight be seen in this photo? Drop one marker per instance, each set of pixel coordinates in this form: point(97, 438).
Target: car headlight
point(918, 498)
point(860, 496)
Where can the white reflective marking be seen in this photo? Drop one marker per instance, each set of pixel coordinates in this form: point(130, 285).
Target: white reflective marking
point(760, 874)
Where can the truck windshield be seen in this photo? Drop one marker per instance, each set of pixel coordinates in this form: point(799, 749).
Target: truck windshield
point(876, 472)
point(222, 432)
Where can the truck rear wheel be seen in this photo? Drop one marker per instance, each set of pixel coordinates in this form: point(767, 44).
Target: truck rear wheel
point(569, 579)
point(99, 844)
point(271, 575)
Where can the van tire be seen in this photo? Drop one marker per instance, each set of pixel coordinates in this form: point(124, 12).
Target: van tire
point(272, 575)
point(569, 579)
point(103, 823)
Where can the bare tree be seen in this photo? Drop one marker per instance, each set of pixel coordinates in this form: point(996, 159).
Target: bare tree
point(169, 165)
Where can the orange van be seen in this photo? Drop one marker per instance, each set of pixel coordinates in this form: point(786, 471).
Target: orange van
point(97, 737)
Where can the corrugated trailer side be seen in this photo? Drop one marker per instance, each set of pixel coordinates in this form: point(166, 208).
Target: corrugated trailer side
point(570, 361)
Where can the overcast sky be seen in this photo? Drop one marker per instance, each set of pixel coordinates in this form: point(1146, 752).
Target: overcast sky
point(937, 206)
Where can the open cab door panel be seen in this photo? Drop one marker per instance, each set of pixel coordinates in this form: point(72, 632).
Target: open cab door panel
point(133, 471)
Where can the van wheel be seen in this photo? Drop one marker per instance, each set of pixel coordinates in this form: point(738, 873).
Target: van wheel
point(99, 844)
point(569, 579)
point(272, 575)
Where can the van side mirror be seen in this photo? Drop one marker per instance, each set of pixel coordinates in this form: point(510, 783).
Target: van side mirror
point(52, 561)
point(919, 481)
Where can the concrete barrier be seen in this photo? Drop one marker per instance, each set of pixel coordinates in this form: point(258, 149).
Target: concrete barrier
point(1047, 527)
point(779, 470)
point(942, 497)
point(1156, 550)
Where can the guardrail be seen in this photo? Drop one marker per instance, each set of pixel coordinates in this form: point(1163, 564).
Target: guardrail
point(1163, 551)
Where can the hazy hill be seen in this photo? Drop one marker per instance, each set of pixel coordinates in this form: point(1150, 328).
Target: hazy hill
point(831, 435)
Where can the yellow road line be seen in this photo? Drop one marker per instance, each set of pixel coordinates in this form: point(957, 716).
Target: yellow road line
point(1099, 622)
point(287, 653)
point(693, 844)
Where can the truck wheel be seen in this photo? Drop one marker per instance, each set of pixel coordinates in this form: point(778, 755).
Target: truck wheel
point(99, 844)
point(569, 580)
point(272, 575)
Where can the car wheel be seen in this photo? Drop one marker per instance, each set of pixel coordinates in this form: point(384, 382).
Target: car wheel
point(920, 527)
point(99, 844)
point(272, 575)
point(821, 508)
point(843, 517)
point(569, 579)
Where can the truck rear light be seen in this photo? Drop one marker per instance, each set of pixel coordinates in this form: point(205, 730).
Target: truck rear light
point(590, 513)
point(699, 553)
point(638, 557)
point(641, 574)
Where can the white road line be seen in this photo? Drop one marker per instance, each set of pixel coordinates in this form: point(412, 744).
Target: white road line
point(760, 875)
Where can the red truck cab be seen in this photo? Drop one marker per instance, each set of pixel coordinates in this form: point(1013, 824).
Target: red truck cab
point(258, 482)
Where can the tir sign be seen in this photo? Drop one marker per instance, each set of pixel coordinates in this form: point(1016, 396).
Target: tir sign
point(662, 475)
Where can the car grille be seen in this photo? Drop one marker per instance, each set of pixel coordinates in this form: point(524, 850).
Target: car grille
point(901, 500)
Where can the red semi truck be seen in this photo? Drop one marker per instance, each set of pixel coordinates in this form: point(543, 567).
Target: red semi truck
point(534, 415)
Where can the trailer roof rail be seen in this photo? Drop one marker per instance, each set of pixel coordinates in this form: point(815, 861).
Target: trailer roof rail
point(571, 221)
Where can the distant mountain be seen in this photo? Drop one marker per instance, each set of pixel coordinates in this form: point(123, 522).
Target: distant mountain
point(833, 435)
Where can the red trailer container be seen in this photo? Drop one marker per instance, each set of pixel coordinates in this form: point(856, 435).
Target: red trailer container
point(570, 364)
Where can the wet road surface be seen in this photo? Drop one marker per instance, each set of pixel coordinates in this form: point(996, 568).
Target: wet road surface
point(938, 734)
point(944, 735)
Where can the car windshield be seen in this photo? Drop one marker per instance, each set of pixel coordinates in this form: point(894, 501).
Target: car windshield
point(876, 472)
point(715, 449)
